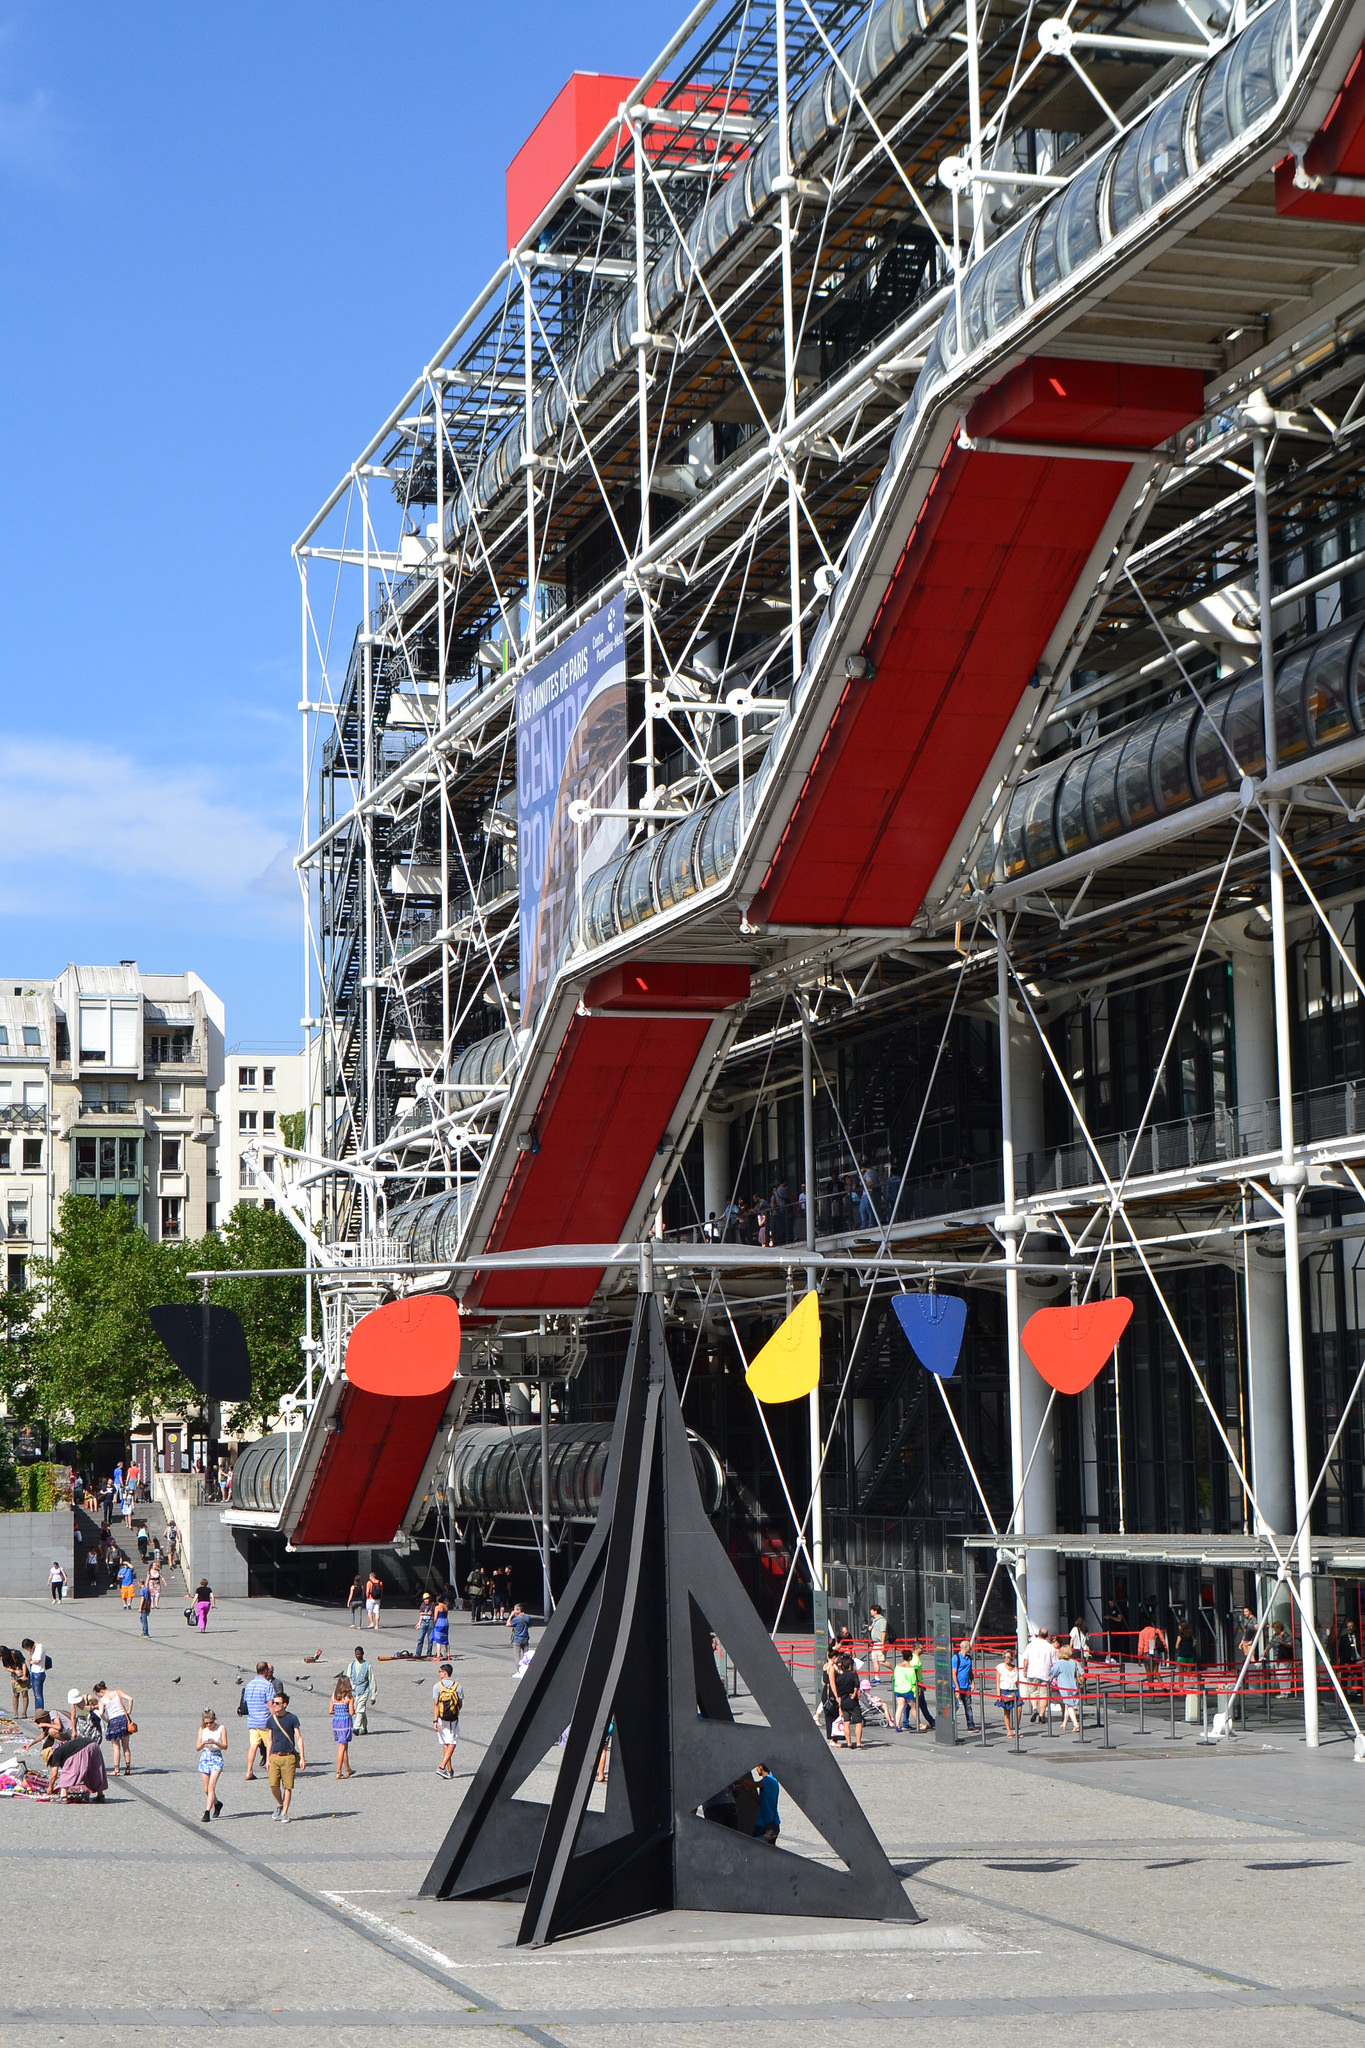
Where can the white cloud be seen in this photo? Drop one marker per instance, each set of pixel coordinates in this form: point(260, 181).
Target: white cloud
point(82, 824)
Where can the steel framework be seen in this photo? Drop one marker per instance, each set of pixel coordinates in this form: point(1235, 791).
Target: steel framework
point(858, 328)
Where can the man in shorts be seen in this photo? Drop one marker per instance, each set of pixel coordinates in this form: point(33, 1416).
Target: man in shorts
point(876, 1638)
point(446, 1701)
point(285, 1754)
point(257, 1694)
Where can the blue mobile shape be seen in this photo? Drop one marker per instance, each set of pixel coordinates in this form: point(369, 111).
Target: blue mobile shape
point(934, 1324)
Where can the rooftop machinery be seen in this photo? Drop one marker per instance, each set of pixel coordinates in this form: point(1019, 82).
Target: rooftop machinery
point(918, 416)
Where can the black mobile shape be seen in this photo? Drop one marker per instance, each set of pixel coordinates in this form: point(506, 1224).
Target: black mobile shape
point(630, 1644)
point(209, 1346)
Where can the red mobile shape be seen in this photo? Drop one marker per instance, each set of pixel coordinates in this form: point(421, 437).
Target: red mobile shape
point(408, 1347)
point(1069, 1346)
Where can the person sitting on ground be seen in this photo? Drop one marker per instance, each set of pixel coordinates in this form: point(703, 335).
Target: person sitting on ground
point(74, 1762)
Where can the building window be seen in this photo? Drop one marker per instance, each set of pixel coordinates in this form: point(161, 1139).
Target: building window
point(267, 1119)
point(173, 1098)
point(118, 1101)
point(33, 1155)
point(17, 1273)
point(4, 1037)
point(127, 1159)
point(33, 1037)
point(85, 1158)
point(170, 1215)
point(33, 1094)
point(246, 1172)
point(246, 1119)
point(4, 1155)
point(267, 1077)
point(268, 1204)
point(6, 1093)
point(171, 1048)
point(170, 1155)
point(246, 1077)
point(211, 1216)
point(17, 1218)
point(63, 1043)
point(91, 1095)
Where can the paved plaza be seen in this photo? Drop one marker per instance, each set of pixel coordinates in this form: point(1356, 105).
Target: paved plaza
point(1067, 1895)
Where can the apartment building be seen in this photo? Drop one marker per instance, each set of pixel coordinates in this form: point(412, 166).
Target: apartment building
point(26, 1043)
point(263, 1085)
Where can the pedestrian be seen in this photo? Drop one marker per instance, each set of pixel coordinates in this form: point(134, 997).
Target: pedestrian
point(374, 1594)
point(520, 1629)
point(963, 1675)
point(92, 1568)
point(144, 1606)
point(1007, 1688)
point(768, 1826)
point(203, 1601)
point(923, 1718)
point(474, 1591)
point(1039, 1661)
point(56, 1581)
point(343, 1723)
point(1116, 1631)
point(106, 1501)
point(849, 1693)
point(19, 1683)
point(1151, 1648)
point(1282, 1657)
point(257, 1694)
point(355, 1600)
point(1080, 1641)
point(142, 1541)
point(424, 1621)
point(829, 1698)
point(363, 1687)
point(1066, 1678)
point(903, 1685)
point(39, 1664)
point(286, 1753)
point(440, 1626)
point(154, 1578)
point(118, 1477)
point(211, 1745)
point(127, 1583)
point(876, 1635)
point(116, 1709)
point(446, 1702)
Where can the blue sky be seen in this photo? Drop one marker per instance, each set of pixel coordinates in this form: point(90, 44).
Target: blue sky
point(228, 240)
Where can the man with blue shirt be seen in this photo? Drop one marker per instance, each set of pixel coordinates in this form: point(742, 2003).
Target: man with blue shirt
point(768, 1826)
point(962, 1679)
point(257, 1694)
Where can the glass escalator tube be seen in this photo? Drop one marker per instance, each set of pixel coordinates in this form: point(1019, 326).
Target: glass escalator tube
point(1293, 735)
point(1124, 204)
point(1162, 161)
point(1243, 724)
point(1330, 716)
point(1103, 819)
point(634, 899)
point(1211, 131)
point(1211, 771)
point(1078, 225)
point(1011, 861)
point(1133, 776)
point(675, 874)
point(1172, 789)
point(1069, 811)
point(1039, 826)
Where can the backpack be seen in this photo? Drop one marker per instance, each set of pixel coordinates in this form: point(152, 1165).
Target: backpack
point(448, 1699)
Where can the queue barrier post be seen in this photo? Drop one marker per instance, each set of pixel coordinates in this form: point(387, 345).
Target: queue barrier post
point(1170, 1684)
point(1107, 1743)
point(1142, 1703)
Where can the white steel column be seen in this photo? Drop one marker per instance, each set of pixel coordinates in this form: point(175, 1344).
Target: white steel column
point(1010, 1225)
point(1272, 1461)
point(715, 1167)
point(637, 133)
point(548, 1608)
point(817, 1505)
point(1040, 1488)
point(366, 825)
point(785, 186)
point(529, 454)
point(438, 395)
point(1290, 1175)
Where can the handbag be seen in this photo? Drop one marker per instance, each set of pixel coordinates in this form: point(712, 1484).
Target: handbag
point(132, 1728)
point(242, 1708)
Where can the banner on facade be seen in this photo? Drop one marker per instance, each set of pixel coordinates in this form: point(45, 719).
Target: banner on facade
point(571, 746)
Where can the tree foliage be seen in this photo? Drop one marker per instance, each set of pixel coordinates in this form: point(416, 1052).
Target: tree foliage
point(87, 1354)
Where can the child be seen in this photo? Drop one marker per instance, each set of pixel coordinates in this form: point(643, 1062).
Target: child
point(1066, 1678)
point(343, 1722)
point(903, 1684)
point(211, 1745)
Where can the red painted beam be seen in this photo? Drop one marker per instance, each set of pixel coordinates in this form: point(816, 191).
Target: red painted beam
point(997, 550)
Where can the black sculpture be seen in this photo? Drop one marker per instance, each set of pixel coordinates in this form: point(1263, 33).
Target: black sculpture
point(209, 1346)
point(630, 1644)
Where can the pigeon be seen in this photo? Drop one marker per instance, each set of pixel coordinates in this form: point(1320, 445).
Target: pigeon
point(175, 1681)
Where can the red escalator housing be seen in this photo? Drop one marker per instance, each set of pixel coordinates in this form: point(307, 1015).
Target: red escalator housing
point(999, 545)
point(369, 1468)
point(611, 1094)
point(1336, 151)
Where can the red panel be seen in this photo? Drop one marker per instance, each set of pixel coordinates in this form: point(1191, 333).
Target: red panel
point(1115, 405)
point(1292, 201)
point(1339, 145)
point(994, 556)
point(609, 1101)
point(574, 120)
point(664, 985)
point(369, 1472)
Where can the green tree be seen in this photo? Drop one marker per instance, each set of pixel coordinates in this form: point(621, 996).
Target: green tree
point(293, 1128)
point(91, 1354)
point(86, 1354)
point(272, 1311)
